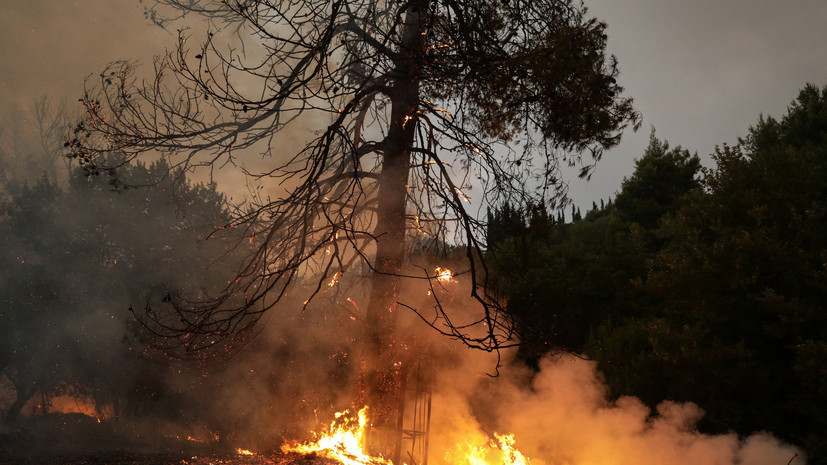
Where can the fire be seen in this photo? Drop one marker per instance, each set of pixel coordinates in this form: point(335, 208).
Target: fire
point(501, 452)
point(334, 280)
point(240, 451)
point(344, 441)
point(444, 275)
point(511, 455)
point(465, 197)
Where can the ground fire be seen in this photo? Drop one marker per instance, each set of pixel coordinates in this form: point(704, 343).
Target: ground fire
point(345, 442)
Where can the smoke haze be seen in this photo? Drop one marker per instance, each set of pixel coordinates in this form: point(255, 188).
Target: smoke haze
point(562, 415)
point(300, 370)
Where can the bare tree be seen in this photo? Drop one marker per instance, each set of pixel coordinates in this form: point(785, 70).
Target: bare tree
point(416, 101)
point(30, 144)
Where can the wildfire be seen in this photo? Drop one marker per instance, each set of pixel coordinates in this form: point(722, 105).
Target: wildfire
point(334, 280)
point(501, 452)
point(344, 441)
point(240, 451)
point(511, 455)
point(444, 275)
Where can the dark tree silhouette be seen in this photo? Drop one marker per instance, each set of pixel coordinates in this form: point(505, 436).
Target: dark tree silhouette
point(411, 102)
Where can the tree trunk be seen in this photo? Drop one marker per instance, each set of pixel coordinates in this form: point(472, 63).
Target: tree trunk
point(381, 370)
point(22, 396)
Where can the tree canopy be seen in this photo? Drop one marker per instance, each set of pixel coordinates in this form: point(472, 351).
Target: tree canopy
point(418, 97)
point(76, 257)
point(404, 106)
point(704, 288)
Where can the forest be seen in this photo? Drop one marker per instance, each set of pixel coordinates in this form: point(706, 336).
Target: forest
point(135, 299)
point(692, 283)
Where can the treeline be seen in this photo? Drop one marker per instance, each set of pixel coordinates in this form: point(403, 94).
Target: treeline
point(85, 258)
point(77, 253)
point(693, 284)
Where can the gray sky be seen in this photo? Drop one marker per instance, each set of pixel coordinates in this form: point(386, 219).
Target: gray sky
point(700, 71)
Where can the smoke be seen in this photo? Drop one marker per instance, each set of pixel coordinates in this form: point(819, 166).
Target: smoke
point(84, 256)
point(300, 369)
point(562, 415)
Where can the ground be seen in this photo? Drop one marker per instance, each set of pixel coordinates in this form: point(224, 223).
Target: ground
point(70, 443)
point(121, 458)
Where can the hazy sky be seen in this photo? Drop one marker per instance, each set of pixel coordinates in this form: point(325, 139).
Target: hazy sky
point(700, 72)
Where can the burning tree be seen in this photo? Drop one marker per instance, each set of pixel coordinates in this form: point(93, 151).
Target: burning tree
point(409, 103)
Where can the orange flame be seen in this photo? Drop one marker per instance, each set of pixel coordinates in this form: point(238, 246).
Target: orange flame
point(501, 452)
point(344, 441)
point(511, 455)
point(444, 275)
point(334, 280)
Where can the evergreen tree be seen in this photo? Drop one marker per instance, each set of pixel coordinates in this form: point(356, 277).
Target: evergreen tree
point(408, 92)
point(76, 258)
point(661, 177)
point(743, 326)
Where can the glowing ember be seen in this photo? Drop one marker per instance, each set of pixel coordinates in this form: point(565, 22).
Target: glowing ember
point(244, 452)
point(344, 441)
point(465, 197)
point(334, 279)
point(444, 275)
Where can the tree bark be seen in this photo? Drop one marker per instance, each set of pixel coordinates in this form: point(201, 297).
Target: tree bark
point(381, 370)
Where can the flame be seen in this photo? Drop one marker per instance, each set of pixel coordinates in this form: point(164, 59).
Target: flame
point(511, 455)
point(444, 275)
point(501, 452)
point(344, 441)
point(345, 438)
point(334, 280)
point(466, 454)
point(241, 451)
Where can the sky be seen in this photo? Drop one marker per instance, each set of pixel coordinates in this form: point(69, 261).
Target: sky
point(700, 72)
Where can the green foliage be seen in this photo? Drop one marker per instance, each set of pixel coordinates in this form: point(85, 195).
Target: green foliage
point(561, 279)
point(707, 290)
point(661, 177)
point(539, 64)
point(740, 281)
point(744, 269)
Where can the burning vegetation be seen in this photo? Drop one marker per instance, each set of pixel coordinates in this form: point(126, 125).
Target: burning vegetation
point(358, 274)
point(404, 108)
point(345, 441)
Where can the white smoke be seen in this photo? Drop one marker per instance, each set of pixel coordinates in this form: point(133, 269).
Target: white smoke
point(562, 416)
